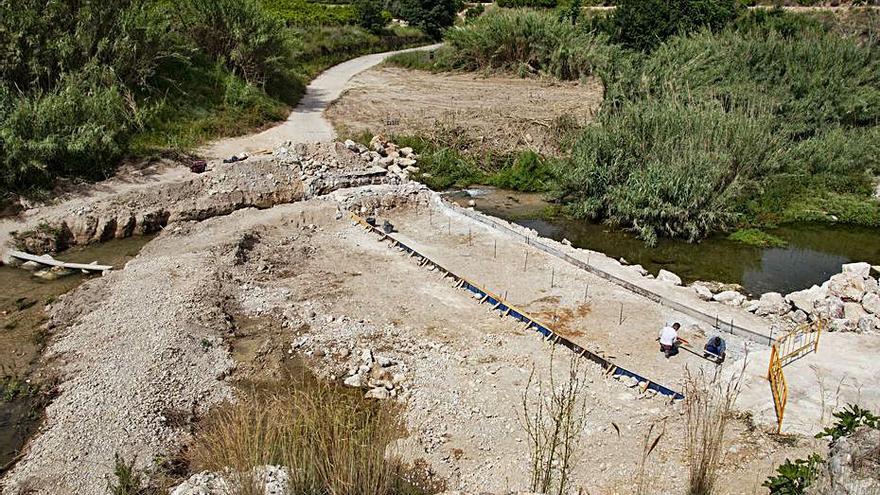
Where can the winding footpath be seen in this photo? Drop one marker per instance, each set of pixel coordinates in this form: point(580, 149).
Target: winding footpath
point(306, 123)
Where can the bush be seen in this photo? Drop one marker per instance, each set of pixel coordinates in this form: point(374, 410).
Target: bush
point(793, 478)
point(250, 42)
point(431, 16)
point(510, 40)
point(644, 24)
point(80, 128)
point(371, 15)
point(303, 13)
point(546, 4)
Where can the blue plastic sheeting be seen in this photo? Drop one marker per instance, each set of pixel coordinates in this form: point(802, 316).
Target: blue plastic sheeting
point(548, 333)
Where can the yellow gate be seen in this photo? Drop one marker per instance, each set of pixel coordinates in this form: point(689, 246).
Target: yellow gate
point(799, 342)
point(778, 386)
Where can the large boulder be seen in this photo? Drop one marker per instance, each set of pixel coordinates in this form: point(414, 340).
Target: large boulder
point(805, 300)
point(772, 303)
point(862, 269)
point(667, 276)
point(848, 286)
point(730, 298)
point(702, 291)
point(871, 303)
point(830, 308)
point(853, 311)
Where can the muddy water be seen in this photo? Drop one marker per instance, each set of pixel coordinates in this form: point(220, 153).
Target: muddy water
point(813, 253)
point(22, 313)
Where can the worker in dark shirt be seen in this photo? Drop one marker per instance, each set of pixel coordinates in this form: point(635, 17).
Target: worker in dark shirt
point(716, 349)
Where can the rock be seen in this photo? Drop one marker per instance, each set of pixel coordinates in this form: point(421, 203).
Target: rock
point(772, 303)
point(806, 299)
point(798, 316)
point(861, 269)
point(377, 144)
point(703, 292)
point(871, 303)
point(730, 298)
point(412, 170)
point(868, 323)
point(848, 286)
point(667, 276)
point(394, 169)
point(853, 311)
point(354, 381)
point(639, 269)
point(380, 393)
point(367, 357)
point(872, 286)
point(406, 162)
point(830, 308)
point(841, 325)
point(351, 145)
point(406, 152)
point(566, 242)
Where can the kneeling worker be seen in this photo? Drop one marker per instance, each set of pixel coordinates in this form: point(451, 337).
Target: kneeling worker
point(669, 340)
point(716, 349)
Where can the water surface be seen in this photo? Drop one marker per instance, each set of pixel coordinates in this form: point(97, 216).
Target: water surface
point(813, 253)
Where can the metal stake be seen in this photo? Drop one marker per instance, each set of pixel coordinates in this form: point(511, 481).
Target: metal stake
point(526, 263)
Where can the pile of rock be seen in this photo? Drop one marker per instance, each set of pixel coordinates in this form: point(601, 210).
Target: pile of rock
point(847, 302)
point(387, 155)
point(274, 481)
point(373, 372)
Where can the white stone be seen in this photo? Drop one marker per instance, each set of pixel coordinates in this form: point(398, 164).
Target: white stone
point(703, 292)
point(868, 323)
point(351, 145)
point(830, 308)
point(406, 151)
point(353, 381)
point(861, 269)
point(772, 303)
point(853, 311)
point(667, 276)
point(871, 303)
point(406, 162)
point(798, 316)
point(639, 269)
point(380, 393)
point(806, 299)
point(730, 298)
point(848, 286)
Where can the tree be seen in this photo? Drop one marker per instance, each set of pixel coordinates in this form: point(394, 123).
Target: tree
point(431, 16)
point(644, 24)
point(370, 15)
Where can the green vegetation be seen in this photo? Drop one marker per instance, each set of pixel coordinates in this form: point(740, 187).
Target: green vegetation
point(794, 477)
point(127, 480)
point(431, 16)
point(644, 24)
point(758, 238)
point(546, 4)
point(764, 119)
point(85, 84)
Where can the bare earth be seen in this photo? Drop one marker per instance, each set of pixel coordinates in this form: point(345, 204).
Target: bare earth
point(495, 113)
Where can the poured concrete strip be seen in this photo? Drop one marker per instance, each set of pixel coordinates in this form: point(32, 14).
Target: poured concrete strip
point(516, 313)
point(50, 261)
point(760, 334)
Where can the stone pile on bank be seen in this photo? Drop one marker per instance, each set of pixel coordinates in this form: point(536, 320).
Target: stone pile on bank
point(847, 302)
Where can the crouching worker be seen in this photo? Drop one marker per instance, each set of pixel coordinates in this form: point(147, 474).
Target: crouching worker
point(716, 349)
point(669, 340)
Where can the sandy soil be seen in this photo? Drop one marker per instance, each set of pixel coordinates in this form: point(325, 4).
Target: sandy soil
point(494, 113)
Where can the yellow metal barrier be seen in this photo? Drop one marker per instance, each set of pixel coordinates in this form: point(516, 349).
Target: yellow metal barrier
point(778, 386)
point(801, 341)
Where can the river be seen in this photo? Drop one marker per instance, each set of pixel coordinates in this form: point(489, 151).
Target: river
point(813, 252)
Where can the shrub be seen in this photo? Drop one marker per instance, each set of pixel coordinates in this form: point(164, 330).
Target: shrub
point(474, 12)
point(331, 440)
point(303, 13)
point(431, 16)
point(250, 42)
point(80, 128)
point(644, 24)
point(793, 478)
point(546, 4)
point(508, 40)
point(371, 15)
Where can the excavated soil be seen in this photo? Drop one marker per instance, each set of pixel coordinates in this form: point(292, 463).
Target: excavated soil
point(494, 113)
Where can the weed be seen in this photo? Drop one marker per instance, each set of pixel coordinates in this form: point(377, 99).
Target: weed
point(127, 480)
point(793, 478)
point(553, 421)
point(758, 238)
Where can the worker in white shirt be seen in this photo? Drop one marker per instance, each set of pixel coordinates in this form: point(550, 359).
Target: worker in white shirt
point(669, 340)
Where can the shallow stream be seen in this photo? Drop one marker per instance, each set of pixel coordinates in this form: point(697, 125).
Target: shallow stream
point(812, 255)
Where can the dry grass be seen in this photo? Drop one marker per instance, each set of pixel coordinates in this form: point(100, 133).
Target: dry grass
point(554, 415)
point(331, 440)
point(709, 401)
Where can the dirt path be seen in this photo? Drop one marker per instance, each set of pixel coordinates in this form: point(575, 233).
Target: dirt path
point(306, 124)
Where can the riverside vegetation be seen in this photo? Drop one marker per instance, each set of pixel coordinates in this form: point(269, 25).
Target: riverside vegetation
point(86, 84)
point(735, 119)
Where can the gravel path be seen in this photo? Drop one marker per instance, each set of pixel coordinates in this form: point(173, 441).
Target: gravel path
point(306, 124)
